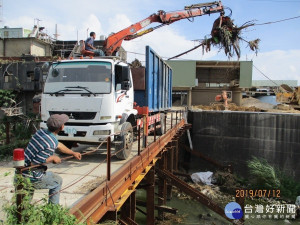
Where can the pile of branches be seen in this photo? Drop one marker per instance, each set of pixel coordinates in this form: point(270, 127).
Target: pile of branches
point(227, 36)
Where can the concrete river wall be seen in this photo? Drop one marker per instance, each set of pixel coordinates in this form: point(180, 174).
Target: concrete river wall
point(234, 137)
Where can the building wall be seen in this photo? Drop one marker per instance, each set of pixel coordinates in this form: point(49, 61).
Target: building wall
point(246, 74)
point(212, 78)
point(15, 47)
point(38, 49)
point(20, 76)
point(184, 73)
point(204, 96)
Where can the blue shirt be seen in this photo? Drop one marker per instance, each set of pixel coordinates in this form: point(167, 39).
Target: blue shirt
point(89, 41)
point(41, 146)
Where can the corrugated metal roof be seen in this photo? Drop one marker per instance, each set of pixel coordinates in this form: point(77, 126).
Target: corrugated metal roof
point(268, 83)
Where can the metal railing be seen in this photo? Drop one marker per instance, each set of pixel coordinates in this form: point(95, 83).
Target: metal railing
point(139, 136)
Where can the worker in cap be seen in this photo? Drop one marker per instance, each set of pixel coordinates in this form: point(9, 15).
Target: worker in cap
point(41, 150)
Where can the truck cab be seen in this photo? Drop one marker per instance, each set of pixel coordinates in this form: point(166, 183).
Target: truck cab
point(97, 95)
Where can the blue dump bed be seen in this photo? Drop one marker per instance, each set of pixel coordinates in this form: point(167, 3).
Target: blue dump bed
point(153, 84)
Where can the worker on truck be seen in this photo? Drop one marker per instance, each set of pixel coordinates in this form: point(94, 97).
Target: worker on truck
point(41, 150)
point(89, 45)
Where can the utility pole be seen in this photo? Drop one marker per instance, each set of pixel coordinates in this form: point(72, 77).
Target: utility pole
point(56, 33)
point(1, 11)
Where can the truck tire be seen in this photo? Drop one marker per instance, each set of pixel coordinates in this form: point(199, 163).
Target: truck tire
point(161, 130)
point(123, 150)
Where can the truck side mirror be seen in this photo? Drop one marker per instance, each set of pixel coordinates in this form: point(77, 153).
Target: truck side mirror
point(55, 72)
point(125, 85)
point(45, 66)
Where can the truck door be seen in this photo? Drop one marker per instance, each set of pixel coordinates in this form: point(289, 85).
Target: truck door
point(123, 87)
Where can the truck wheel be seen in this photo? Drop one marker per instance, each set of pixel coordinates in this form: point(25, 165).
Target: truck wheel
point(161, 130)
point(123, 150)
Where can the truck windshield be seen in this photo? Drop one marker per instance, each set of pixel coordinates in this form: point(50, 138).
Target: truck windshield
point(95, 77)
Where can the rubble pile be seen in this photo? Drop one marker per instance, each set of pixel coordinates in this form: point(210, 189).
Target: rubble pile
point(231, 107)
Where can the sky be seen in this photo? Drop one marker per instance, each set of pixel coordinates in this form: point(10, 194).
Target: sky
point(278, 57)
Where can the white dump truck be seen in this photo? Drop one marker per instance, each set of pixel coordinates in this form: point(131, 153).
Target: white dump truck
point(98, 96)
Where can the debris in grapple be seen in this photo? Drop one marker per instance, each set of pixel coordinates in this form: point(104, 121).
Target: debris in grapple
point(227, 36)
point(253, 45)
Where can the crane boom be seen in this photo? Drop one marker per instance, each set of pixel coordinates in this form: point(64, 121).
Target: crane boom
point(114, 41)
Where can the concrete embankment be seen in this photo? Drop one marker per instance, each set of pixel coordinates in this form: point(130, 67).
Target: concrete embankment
point(234, 137)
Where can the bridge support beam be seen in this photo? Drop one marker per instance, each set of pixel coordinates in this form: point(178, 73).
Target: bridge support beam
point(162, 185)
point(170, 166)
point(150, 197)
point(128, 210)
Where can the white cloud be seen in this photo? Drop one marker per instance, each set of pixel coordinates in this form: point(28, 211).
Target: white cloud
point(278, 65)
point(118, 22)
point(67, 30)
point(167, 42)
point(293, 68)
point(23, 21)
point(91, 23)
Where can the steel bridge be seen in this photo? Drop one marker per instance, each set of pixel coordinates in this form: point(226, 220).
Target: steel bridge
point(115, 199)
point(153, 167)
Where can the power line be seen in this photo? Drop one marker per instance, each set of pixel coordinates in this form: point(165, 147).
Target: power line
point(278, 21)
point(163, 57)
point(265, 75)
point(259, 24)
point(137, 53)
point(295, 1)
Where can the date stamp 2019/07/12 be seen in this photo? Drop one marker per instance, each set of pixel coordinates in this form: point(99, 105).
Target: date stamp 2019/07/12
point(261, 193)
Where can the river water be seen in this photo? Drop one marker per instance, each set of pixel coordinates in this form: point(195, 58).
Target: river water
point(193, 213)
point(271, 99)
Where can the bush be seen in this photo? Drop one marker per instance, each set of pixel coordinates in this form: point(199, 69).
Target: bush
point(21, 130)
point(36, 214)
point(263, 176)
point(7, 150)
point(6, 97)
point(289, 188)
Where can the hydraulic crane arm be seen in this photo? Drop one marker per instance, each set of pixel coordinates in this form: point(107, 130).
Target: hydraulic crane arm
point(114, 41)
